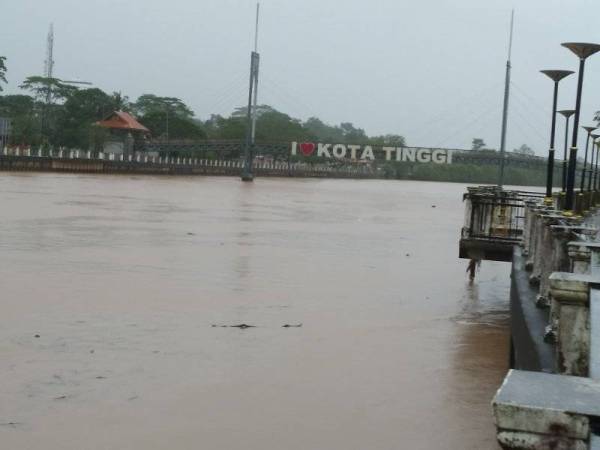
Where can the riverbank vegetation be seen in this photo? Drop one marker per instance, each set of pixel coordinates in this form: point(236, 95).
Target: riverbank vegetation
point(50, 113)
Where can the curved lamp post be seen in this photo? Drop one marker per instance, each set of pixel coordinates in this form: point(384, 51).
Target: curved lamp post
point(556, 76)
point(567, 113)
point(583, 51)
point(587, 144)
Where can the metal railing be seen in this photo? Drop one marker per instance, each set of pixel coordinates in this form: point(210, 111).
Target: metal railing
point(495, 214)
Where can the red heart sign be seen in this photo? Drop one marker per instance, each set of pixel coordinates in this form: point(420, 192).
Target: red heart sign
point(307, 148)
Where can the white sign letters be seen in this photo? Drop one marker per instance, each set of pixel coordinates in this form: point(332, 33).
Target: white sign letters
point(368, 152)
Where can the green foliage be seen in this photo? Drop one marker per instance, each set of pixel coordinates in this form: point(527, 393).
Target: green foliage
point(179, 127)
point(320, 131)
point(242, 111)
point(49, 90)
point(2, 71)
point(152, 104)
point(392, 140)
point(478, 144)
point(21, 110)
point(467, 173)
point(524, 150)
point(219, 127)
point(76, 118)
point(276, 126)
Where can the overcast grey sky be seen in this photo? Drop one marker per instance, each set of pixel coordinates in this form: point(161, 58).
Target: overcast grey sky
point(432, 70)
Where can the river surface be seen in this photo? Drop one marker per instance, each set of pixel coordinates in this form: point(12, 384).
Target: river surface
point(111, 285)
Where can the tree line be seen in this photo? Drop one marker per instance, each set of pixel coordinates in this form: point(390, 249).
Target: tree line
point(51, 112)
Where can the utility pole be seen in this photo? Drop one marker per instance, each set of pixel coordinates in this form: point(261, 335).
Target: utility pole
point(505, 107)
point(48, 73)
point(247, 174)
point(49, 63)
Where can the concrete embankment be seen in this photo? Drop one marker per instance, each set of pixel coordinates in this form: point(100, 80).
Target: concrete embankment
point(551, 396)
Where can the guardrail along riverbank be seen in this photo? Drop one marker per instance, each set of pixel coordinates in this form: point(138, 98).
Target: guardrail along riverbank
point(110, 163)
point(551, 395)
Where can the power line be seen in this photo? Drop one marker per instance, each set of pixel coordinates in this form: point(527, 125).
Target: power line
point(468, 125)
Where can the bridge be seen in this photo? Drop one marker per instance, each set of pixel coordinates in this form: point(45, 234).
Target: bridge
point(281, 150)
point(90, 162)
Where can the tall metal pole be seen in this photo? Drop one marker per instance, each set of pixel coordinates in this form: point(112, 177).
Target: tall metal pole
point(566, 113)
point(587, 146)
point(505, 107)
point(596, 148)
point(565, 163)
point(247, 173)
point(550, 168)
point(583, 51)
point(570, 200)
point(556, 76)
point(591, 171)
point(254, 109)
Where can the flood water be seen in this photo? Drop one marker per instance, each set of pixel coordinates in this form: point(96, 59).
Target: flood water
point(122, 278)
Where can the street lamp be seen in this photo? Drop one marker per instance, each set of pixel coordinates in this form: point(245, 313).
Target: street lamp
point(567, 113)
point(587, 144)
point(597, 147)
point(583, 51)
point(556, 76)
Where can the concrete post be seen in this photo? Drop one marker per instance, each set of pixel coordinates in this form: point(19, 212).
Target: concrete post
point(570, 293)
point(579, 256)
point(535, 410)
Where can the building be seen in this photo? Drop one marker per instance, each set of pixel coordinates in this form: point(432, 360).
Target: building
point(125, 134)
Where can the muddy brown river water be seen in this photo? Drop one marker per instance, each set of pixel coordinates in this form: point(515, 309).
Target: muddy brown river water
point(122, 277)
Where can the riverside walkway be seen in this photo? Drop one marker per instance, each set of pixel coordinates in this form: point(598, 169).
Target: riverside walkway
point(551, 396)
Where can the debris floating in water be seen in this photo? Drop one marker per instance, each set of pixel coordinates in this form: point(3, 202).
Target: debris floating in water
point(241, 325)
point(287, 325)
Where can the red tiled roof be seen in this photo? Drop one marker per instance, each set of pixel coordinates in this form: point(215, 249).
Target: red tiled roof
point(123, 121)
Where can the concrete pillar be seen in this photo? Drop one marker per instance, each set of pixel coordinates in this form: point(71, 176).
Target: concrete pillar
point(571, 295)
point(128, 145)
point(579, 256)
point(535, 410)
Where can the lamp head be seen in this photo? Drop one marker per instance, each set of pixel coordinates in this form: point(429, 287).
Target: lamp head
point(566, 112)
point(589, 129)
point(557, 75)
point(582, 49)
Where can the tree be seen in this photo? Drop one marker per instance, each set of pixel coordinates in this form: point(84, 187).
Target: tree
point(21, 111)
point(524, 150)
point(120, 102)
point(79, 113)
point(394, 140)
point(478, 144)
point(152, 104)
point(48, 90)
point(179, 127)
point(352, 134)
point(321, 131)
point(229, 128)
point(242, 111)
point(276, 126)
point(2, 71)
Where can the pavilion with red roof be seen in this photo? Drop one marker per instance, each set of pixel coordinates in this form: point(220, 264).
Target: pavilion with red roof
point(121, 120)
point(126, 133)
